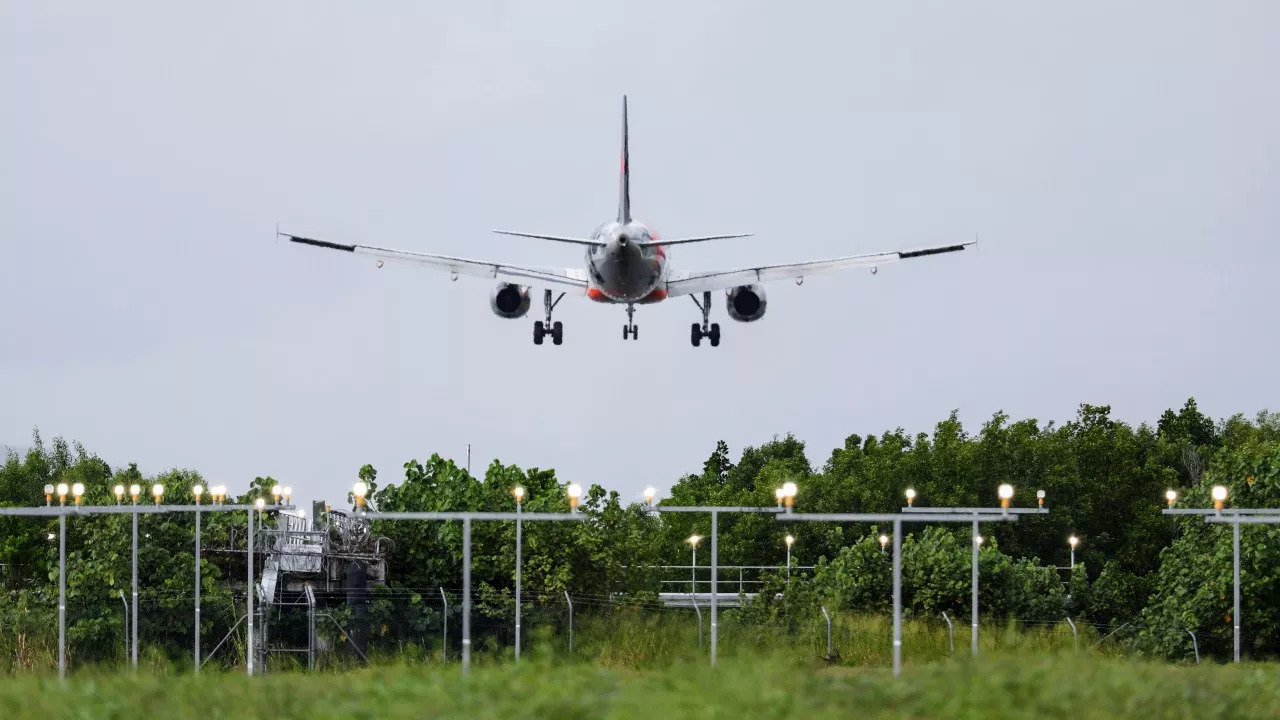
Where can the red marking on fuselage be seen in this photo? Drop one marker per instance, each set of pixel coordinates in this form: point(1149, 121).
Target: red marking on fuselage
point(658, 295)
point(598, 296)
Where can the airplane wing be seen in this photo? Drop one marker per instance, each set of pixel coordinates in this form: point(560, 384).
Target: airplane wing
point(522, 275)
point(697, 282)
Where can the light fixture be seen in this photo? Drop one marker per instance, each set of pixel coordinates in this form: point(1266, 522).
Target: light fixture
point(260, 504)
point(649, 493)
point(575, 492)
point(221, 492)
point(275, 493)
point(76, 491)
point(1171, 497)
point(196, 492)
point(1040, 498)
point(519, 493)
point(1073, 541)
point(978, 539)
point(788, 494)
point(157, 490)
point(48, 494)
point(119, 491)
point(1219, 496)
point(287, 492)
point(1005, 492)
point(134, 491)
point(693, 540)
point(62, 493)
point(779, 493)
point(360, 489)
point(911, 497)
point(790, 540)
point(884, 541)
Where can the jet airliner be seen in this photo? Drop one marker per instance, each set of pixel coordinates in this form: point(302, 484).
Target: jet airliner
point(627, 264)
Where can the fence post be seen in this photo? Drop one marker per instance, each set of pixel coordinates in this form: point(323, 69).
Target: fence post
point(570, 601)
point(951, 632)
point(693, 599)
point(444, 641)
point(1075, 634)
point(828, 617)
point(1195, 646)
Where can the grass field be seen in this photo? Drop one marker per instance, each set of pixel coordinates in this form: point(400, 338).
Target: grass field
point(1003, 686)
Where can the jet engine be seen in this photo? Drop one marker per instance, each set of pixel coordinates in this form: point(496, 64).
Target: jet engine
point(745, 303)
point(509, 300)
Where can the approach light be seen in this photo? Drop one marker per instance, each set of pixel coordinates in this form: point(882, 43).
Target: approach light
point(260, 504)
point(62, 493)
point(911, 497)
point(1006, 494)
point(1040, 498)
point(1171, 497)
point(360, 489)
point(134, 491)
point(48, 494)
point(789, 540)
point(978, 540)
point(275, 493)
point(884, 541)
point(519, 493)
point(575, 492)
point(287, 492)
point(693, 540)
point(780, 494)
point(196, 492)
point(649, 493)
point(157, 490)
point(788, 494)
point(119, 491)
point(76, 491)
point(1073, 541)
point(1219, 496)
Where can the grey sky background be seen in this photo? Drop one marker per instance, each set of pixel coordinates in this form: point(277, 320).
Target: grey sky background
point(1120, 162)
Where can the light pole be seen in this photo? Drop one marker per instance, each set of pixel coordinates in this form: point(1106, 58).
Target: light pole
point(1073, 541)
point(1005, 492)
point(518, 492)
point(196, 492)
point(789, 540)
point(134, 491)
point(693, 567)
point(1236, 517)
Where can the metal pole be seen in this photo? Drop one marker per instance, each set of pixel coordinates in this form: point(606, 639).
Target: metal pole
point(1195, 646)
point(198, 576)
point(134, 649)
point(566, 599)
point(249, 599)
point(973, 642)
point(716, 579)
point(466, 595)
point(518, 539)
point(897, 597)
point(62, 596)
point(1075, 635)
point(444, 642)
point(126, 623)
point(1235, 557)
point(951, 633)
point(828, 617)
point(788, 562)
point(693, 571)
point(1073, 558)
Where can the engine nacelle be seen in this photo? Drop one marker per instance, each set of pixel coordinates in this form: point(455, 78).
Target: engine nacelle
point(745, 303)
point(509, 300)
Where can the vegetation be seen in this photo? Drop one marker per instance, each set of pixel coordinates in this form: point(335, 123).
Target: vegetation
point(1155, 576)
point(1044, 685)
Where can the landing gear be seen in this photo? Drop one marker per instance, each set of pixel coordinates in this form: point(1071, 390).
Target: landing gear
point(630, 330)
point(555, 329)
point(707, 329)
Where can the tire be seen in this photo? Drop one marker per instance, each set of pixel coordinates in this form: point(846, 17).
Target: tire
point(557, 332)
point(538, 332)
point(715, 334)
point(695, 335)
point(626, 332)
point(635, 331)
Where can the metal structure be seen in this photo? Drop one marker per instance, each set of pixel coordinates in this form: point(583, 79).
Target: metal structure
point(1236, 518)
point(897, 519)
point(977, 513)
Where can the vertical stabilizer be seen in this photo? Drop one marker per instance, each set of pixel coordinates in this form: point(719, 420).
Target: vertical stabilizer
point(624, 190)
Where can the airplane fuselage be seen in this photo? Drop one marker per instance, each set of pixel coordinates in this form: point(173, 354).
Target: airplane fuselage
point(625, 268)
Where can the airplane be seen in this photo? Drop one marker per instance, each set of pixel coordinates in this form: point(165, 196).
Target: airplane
point(626, 263)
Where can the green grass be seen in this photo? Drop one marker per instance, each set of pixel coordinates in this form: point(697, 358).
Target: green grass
point(1001, 686)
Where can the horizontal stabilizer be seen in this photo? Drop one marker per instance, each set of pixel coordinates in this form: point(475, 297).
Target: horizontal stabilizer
point(704, 238)
point(556, 238)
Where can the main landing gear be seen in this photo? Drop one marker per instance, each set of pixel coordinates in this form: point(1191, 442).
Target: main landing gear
point(554, 329)
point(630, 329)
point(708, 329)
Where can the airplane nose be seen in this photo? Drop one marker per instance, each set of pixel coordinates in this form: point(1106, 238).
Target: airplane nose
point(623, 240)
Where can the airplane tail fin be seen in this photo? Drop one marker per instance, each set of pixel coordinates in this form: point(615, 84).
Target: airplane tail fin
point(624, 190)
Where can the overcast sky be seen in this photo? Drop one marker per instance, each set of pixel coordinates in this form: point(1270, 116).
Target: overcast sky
point(1119, 161)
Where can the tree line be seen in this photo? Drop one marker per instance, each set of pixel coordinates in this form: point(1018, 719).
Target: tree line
point(1105, 482)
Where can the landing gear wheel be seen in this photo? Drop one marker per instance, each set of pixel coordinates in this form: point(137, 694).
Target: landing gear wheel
point(695, 334)
point(630, 330)
point(538, 332)
point(714, 334)
point(543, 328)
point(707, 329)
point(557, 332)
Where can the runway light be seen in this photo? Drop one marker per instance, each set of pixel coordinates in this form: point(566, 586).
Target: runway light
point(649, 494)
point(157, 491)
point(790, 540)
point(48, 494)
point(519, 493)
point(275, 494)
point(779, 493)
point(360, 489)
point(1171, 497)
point(134, 491)
point(1040, 498)
point(287, 492)
point(575, 492)
point(693, 540)
point(978, 540)
point(119, 491)
point(789, 494)
point(1073, 541)
point(1219, 496)
point(196, 492)
point(1006, 494)
point(884, 541)
point(260, 504)
point(911, 497)
point(76, 491)
point(62, 493)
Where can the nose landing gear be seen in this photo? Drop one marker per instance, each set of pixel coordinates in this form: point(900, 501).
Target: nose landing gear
point(630, 329)
point(708, 329)
point(554, 329)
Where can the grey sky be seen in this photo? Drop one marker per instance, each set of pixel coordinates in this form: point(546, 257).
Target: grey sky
point(1120, 162)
